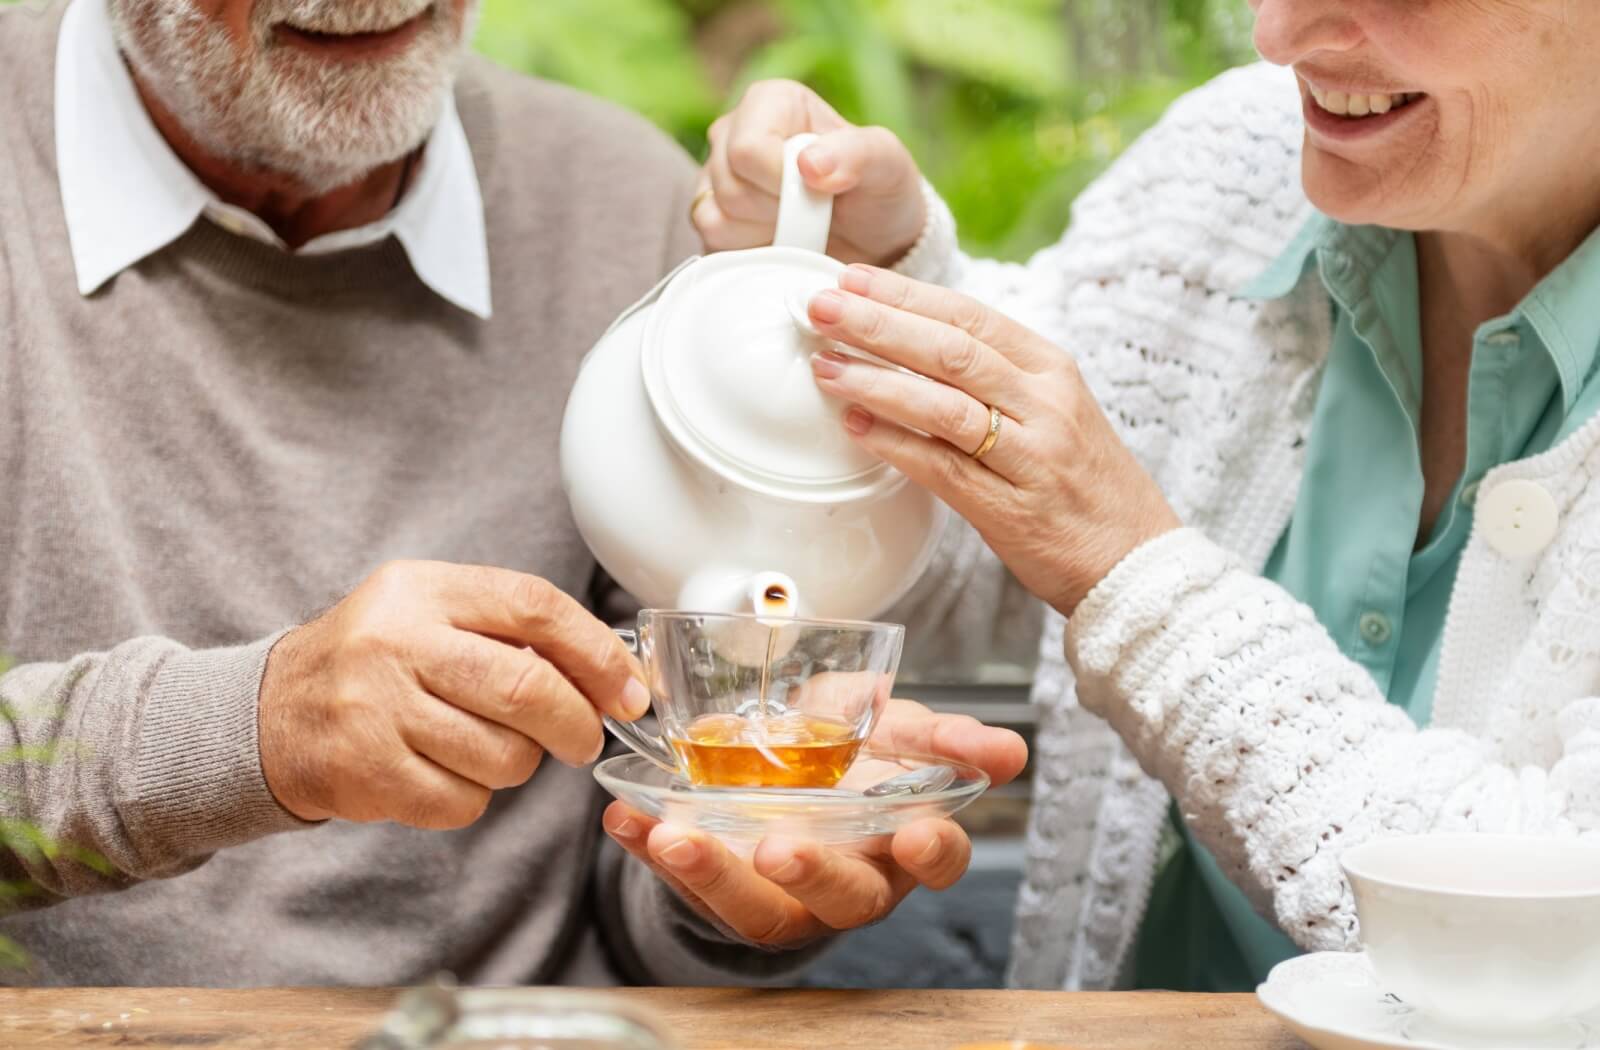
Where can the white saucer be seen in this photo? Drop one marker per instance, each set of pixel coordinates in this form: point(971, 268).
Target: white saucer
point(742, 817)
point(1334, 1001)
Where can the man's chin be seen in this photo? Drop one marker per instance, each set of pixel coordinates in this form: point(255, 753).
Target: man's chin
point(328, 130)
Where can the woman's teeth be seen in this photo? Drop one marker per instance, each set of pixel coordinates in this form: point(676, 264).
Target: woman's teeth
point(1342, 105)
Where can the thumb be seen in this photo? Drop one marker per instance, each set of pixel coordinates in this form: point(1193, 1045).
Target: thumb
point(871, 159)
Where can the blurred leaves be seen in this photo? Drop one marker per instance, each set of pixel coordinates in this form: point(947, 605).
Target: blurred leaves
point(636, 52)
point(22, 839)
point(1011, 106)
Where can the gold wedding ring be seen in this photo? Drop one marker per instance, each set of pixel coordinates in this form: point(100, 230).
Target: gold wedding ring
point(699, 199)
point(994, 433)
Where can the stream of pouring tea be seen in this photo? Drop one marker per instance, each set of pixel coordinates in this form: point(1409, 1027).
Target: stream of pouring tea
point(760, 749)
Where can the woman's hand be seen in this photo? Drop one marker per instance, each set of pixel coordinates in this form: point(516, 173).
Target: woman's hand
point(879, 213)
point(793, 891)
point(1058, 496)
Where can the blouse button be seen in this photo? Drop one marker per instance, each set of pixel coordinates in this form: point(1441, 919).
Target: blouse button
point(1375, 628)
point(1519, 518)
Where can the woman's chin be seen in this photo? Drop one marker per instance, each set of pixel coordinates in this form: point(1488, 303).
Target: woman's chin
point(1353, 194)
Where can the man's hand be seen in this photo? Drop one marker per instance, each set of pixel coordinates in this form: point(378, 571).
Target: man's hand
point(431, 686)
point(793, 892)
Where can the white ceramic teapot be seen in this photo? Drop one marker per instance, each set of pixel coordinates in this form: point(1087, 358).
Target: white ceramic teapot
point(706, 470)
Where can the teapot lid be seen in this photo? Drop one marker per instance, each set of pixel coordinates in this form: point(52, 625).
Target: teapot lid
point(727, 362)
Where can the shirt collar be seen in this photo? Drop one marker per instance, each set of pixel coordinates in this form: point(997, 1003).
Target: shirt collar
point(1563, 309)
point(127, 195)
point(1284, 272)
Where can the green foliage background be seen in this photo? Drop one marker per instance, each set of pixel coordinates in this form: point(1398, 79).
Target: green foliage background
point(1012, 106)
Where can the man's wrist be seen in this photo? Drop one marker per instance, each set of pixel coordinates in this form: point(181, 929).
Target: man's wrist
point(199, 785)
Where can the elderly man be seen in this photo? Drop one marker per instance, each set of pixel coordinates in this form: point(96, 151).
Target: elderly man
point(252, 368)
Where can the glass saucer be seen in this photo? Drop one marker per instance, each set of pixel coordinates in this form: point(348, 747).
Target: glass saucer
point(742, 817)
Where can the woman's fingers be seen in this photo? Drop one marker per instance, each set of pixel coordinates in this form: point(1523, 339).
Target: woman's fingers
point(908, 727)
point(931, 348)
point(738, 198)
point(970, 488)
point(771, 112)
point(1018, 344)
point(933, 408)
point(719, 231)
point(854, 158)
point(722, 234)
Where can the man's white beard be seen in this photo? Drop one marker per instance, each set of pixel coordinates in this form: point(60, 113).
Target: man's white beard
point(325, 123)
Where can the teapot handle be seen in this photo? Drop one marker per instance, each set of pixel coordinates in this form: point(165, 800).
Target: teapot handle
point(804, 214)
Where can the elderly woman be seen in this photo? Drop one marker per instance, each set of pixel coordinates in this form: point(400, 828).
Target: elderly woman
point(1298, 440)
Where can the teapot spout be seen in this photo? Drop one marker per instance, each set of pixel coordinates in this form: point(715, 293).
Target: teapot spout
point(734, 591)
point(771, 597)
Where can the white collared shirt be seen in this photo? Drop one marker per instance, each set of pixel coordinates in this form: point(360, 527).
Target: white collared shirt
point(127, 195)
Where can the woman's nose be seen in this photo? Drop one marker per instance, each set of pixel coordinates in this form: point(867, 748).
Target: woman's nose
point(1288, 31)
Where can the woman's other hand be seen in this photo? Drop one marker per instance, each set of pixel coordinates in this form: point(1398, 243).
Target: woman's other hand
point(1058, 496)
point(880, 210)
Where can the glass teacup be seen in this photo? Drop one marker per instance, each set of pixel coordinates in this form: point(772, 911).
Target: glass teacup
point(753, 701)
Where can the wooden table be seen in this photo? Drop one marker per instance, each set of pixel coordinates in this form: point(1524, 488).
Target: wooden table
point(703, 1019)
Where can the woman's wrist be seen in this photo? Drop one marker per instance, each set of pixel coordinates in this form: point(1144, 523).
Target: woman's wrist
point(1138, 595)
point(929, 256)
point(1094, 563)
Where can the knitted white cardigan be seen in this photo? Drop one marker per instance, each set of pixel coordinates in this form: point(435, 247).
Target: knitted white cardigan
point(1281, 752)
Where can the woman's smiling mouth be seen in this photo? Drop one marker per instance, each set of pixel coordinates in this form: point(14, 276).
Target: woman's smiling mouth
point(1349, 115)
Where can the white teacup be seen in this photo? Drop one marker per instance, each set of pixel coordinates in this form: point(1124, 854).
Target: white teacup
point(1487, 935)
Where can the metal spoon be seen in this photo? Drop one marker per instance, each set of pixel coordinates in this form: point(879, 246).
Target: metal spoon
point(924, 781)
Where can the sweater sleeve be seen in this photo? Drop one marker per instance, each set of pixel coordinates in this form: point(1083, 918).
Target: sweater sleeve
point(131, 764)
point(1281, 752)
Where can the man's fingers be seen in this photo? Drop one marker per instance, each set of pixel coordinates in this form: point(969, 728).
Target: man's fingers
point(841, 890)
point(527, 611)
point(484, 752)
point(515, 688)
point(423, 794)
point(750, 905)
point(935, 852)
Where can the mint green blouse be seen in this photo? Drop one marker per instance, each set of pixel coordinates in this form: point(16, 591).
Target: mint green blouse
point(1350, 551)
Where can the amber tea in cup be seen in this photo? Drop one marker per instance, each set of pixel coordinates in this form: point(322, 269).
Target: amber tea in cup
point(755, 701)
point(790, 750)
